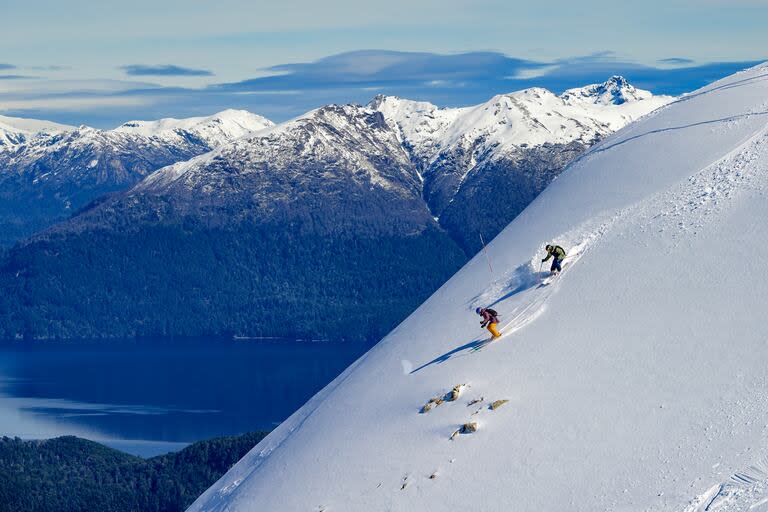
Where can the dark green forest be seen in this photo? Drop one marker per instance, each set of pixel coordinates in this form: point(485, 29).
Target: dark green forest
point(191, 280)
point(75, 475)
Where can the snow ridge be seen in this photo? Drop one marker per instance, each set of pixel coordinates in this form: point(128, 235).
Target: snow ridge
point(15, 130)
point(216, 129)
point(531, 117)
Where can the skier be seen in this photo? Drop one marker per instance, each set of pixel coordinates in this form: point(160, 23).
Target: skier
point(559, 254)
point(490, 319)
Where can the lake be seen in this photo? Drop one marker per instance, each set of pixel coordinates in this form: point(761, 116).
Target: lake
point(149, 398)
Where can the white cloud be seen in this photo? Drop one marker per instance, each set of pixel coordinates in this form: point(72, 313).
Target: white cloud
point(525, 74)
point(41, 86)
point(73, 103)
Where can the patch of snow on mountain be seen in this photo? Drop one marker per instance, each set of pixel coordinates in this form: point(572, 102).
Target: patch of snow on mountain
point(216, 129)
point(16, 130)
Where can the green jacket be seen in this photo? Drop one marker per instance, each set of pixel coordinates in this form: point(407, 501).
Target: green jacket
point(556, 251)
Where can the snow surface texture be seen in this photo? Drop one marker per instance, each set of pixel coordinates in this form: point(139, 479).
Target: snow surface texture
point(637, 381)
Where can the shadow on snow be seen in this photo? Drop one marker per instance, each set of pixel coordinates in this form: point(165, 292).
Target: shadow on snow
point(523, 278)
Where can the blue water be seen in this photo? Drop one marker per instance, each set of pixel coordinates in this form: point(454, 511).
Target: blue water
point(149, 398)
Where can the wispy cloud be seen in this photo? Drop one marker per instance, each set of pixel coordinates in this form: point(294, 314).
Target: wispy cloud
point(367, 68)
point(468, 78)
point(49, 68)
point(163, 70)
point(67, 103)
point(676, 61)
point(292, 89)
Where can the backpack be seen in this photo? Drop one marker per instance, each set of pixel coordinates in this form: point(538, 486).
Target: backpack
point(491, 312)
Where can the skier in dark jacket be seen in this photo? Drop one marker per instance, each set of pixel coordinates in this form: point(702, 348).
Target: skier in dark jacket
point(558, 253)
point(490, 320)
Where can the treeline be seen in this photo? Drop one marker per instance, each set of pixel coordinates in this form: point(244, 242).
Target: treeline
point(191, 280)
point(76, 475)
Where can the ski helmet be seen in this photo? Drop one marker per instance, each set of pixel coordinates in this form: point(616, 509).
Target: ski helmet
point(478, 310)
point(548, 247)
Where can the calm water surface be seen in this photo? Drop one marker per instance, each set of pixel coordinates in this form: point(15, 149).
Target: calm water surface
point(149, 398)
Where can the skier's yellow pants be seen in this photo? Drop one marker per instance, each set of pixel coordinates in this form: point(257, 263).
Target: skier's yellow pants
point(492, 329)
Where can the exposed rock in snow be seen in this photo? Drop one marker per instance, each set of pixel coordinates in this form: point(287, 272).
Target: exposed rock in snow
point(497, 403)
point(455, 393)
point(431, 404)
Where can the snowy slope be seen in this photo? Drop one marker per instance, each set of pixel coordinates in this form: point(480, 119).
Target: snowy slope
point(636, 381)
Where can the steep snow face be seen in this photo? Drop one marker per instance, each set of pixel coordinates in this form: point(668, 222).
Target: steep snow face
point(15, 130)
point(636, 380)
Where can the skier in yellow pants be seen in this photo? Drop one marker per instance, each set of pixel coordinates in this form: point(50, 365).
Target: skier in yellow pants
point(490, 320)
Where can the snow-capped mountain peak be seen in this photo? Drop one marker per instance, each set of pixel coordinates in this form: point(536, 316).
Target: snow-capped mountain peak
point(216, 129)
point(614, 91)
point(15, 130)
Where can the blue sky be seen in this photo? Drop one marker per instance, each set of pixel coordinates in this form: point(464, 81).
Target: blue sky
point(102, 63)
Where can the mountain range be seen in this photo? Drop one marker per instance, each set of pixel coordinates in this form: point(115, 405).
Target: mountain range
point(334, 224)
point(482, 165)
point(49, 171)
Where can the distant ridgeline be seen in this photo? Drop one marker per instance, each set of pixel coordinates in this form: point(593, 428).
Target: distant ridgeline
point(76, 475)
point(334, 225)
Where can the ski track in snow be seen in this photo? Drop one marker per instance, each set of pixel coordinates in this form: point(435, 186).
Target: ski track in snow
point(686, 208)
point(520, 296)
point(746, 490)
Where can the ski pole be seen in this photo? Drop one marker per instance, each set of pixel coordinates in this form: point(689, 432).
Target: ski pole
point(485, 251)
